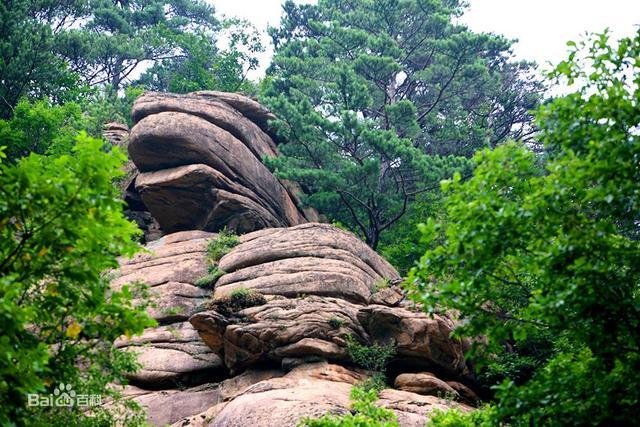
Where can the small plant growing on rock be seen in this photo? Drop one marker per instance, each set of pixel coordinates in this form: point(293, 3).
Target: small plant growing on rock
point(237, 300)
point(335, 322)
point(213, 274)
point(216, 249)
point(381, 284)
point(364, 412)
point(221, 245)
point(371, 357)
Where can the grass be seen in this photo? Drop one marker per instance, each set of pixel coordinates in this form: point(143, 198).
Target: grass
point(237, 300)
point(381, 284)
point(221, 245)
point(213, 274)
point(216, 249)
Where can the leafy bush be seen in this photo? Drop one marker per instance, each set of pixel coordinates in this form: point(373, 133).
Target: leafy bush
point(371, 357)
point(221, 245)
point(213, 274)
point(455, 418)
point(364, 412)
point(41, 128)
point(527, 251)
point(336, 322)
point(61, 228)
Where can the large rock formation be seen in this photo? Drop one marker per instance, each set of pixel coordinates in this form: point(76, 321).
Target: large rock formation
point(266, 340)
point(118, 135)
point(201, 166)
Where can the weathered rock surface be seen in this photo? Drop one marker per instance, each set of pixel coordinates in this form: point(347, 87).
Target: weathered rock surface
point(309, 259)
point(414, 410)
point(421, 340)
point(283, 327)
point(424, 383)
point(116, 133)
point(310, 390)
point(268, 343)
point(201, 164)
point(168, 406)
point(173, 351)
point(171, 354)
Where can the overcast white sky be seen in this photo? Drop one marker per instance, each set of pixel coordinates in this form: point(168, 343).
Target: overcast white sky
point(542, 26)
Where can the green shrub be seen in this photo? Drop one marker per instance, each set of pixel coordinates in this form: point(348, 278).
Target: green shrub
point(237, 300)
point(381, 284)
point(336, 322)
point(221, 245)
point(61, 227)
point(455, 418)
point(373, 357)
point(212, 276)
point(364, 412)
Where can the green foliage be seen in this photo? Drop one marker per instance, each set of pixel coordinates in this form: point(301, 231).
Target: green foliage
point(29, 65)
point(102, 106)
point(381, 284)
point(482, 417)
point(61, 227)
point(40, 128)
point(237, 300)
point(335, 322)
point(380, 100)
point(403, 244)
point(115, 37)
point(213, 274)
point(371, 357)
point(554, 252)
point(205, 67)
point(364, 412)
point(221, 245)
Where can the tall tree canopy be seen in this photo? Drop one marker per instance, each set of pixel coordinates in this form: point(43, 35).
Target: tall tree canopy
point(118, 36)
point(29, 65)
point(374, 95)
point(525, 250)
point(61, 50)
point(206, 65)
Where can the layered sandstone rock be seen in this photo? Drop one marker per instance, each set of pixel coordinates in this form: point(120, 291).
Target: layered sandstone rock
point(310, 259)
point(310, 390)
point(285, 355)
point(172, 352)
point(118, 135)
point(201, 163)
point(266, 343)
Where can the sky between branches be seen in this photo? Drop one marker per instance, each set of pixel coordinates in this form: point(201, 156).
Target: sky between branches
point(542, 27)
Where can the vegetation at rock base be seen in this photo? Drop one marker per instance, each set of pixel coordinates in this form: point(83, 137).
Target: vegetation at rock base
point(371, 357)
point(455, 418)
point(364, 412)
point(61, 228)
point(550, 253)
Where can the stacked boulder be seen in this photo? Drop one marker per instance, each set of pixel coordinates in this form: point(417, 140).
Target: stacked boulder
point(265, 341)
point(201, 164)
